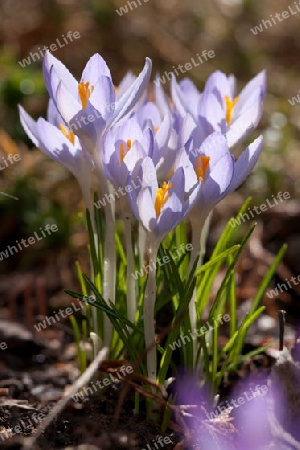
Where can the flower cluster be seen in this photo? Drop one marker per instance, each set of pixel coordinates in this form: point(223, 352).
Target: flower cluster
point(179, 150)
point(176, 151)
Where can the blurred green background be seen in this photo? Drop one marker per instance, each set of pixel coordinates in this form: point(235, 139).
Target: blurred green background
point(170, 32)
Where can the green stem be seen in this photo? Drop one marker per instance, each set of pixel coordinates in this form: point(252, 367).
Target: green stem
point(87, 200)
point(130, 281)
point(109, 258)
point(142, 239)
point(200, 227)
point(149, 303)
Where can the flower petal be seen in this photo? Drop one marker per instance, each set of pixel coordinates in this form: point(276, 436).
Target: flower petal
point(29, 126)
point(94, 69)
point(131, 97)
point(245, 163)
point(61, 73)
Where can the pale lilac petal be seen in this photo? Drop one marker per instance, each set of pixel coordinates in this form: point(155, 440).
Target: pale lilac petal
point(170, 216)
point(136, 154)
point(211, 114)
point(245, 163)
point(163, 133)
point(178, 97)
point(146, 209)
point(160, 97)
point(218, 181)
point(94, 69)
point(258, 82)
point(187, 129)
point(29, 126)
point(190, 178)
point(254, 97)
point(53, 115)
point(149, 112)
point(67, 105)
point(214, 146)
point(191, 95)
point(130, 129)
point(125, 84)
point(218, 85)
point(131, 97)
point(244, 125)
point(61, 73)
point(103, 97)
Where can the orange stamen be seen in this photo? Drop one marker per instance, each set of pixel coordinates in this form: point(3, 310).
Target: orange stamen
point(161, 197)
point(201, 166)
point(84, 92)
point(69, 134)
point(229, 108)
point(124, 150)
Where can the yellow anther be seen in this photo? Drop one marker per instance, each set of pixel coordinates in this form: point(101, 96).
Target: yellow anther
point(69, 134)
point(156, 129)
point(161, 197)
point(229, 108)
point(124, 150)
point(84, 91)
point(201, 166)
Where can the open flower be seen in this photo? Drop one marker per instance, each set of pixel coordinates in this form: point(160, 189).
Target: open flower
point(61, 144)
point(215, 166)
point(219, 109)
point(90, 106)
point(123, 146)
point(212, 165)
point(159, 208)
point(165, 137)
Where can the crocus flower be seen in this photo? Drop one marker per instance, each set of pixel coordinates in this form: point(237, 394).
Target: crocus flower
point(60, 144)
point(159, 209)
point(219, 109)
point(90, 106)
point(222, 175)
point(119, 150)
point(211, 164)
point(186, 97)
point(165, 137)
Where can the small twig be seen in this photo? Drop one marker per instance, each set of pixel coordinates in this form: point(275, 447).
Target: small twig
point(85, 378)
point(11, 196)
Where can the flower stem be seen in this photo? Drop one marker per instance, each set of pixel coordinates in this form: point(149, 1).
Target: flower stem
point(87, 200)
point(109, 259)
point(149, 304)
point(130, 281)
point(200, 228)
point(109, 269)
